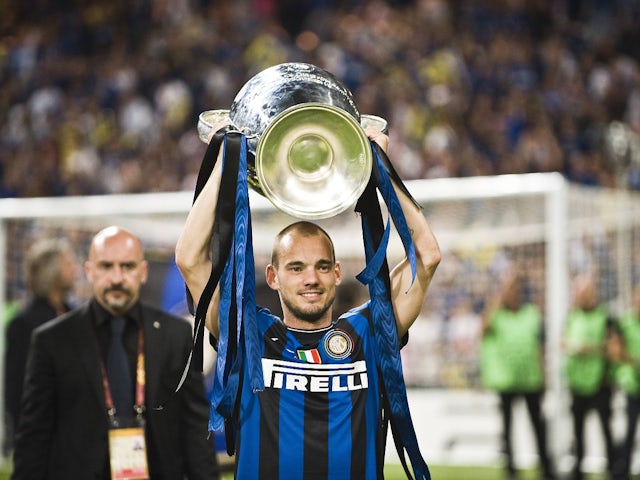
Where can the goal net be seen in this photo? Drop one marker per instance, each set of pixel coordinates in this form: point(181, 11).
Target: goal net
point(483, 224)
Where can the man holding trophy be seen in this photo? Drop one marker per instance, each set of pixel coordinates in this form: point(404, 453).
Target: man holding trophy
point(309, 395)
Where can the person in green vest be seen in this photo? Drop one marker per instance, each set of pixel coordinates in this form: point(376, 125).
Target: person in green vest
point(587, 367)
point(512, 363)
point(624, 350)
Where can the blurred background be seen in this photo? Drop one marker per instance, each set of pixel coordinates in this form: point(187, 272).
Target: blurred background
point(101, 98)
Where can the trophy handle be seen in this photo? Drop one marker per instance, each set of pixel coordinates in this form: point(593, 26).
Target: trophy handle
point(374, 121)
point(209, 118)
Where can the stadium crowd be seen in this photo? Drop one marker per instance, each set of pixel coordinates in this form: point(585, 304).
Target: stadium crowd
point(103, 96)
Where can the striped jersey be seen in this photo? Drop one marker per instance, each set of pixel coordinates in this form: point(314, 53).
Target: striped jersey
point(319, 416)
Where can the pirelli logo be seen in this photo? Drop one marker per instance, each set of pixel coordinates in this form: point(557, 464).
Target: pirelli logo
point(311, 377)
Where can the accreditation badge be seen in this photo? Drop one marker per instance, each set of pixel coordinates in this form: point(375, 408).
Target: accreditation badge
point(128, 454)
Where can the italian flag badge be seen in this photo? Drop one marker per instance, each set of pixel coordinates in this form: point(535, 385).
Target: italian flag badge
point(310, 356)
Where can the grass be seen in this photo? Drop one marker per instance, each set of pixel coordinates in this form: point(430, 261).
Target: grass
point(395, 472)
point(442, 472)
point(438, 472)
point(447, 472)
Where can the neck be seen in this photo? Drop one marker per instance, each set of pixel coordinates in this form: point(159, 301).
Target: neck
point(56, 299)
point(299, 324)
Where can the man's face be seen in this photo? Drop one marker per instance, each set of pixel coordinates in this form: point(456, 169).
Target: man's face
point(116, 270)
point(586, 293)
point(305, 277)
point(512, 294)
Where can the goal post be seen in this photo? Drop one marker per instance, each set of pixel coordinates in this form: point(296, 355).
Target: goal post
point(483, 224)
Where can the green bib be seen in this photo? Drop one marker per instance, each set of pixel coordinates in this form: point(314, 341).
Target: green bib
point(510, 351)
point(628, 375)
point(585, 372)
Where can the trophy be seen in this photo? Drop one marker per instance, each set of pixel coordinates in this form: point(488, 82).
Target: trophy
point(310, 155)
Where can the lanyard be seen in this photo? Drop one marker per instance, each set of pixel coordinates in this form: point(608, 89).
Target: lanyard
point(140, 382)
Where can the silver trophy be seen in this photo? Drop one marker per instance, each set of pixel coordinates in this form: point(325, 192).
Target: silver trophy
point(312, 158)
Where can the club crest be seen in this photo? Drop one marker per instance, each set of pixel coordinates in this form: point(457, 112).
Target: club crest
point(338, 344)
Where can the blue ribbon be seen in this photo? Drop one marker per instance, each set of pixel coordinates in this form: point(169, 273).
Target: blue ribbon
point(238, 331)
point(395, 209)
point(225, 355)
point(376, 276)
point(374, 259)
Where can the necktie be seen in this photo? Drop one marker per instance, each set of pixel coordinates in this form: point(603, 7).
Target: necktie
point(118, 371)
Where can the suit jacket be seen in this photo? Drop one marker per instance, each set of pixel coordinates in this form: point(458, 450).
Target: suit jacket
point(63, 431)
point(18, 335)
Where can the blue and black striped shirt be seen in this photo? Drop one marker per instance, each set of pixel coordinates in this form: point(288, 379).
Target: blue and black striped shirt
point(319, 416)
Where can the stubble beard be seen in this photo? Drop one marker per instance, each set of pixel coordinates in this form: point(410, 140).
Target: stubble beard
point(119, 304)
point(311, 315)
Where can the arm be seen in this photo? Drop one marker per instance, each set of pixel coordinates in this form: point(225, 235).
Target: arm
point(615, 348)
point(487, 314)
point(408, 299)
point(497, 300)
point(580, 347)
point(193, 256)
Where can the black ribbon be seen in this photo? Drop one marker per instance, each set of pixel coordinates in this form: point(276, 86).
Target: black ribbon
point(222, 236)
point(377, 278)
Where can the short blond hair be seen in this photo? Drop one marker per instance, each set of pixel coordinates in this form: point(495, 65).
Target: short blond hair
point(43, 264)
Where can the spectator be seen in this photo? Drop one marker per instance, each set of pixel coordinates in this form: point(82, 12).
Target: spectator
point(50, 273)
point(90, 84)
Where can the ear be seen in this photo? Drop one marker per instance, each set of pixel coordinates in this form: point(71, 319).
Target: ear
point(144, 274)
point(87, 270)
point(338, 270)
point(272, 277)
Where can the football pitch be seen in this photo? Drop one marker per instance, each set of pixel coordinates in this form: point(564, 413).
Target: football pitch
point(442, 472)
point(438, 472)
point(448, 472)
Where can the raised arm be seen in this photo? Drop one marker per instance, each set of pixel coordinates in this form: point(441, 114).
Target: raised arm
point(193, 255)
point(407, 299)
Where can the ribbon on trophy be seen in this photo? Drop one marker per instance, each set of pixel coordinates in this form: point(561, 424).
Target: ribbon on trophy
point(232, 267)
point(376, 276)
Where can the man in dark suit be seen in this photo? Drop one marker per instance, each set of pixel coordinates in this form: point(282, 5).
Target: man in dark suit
point(74, 406)
point(50, 274)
